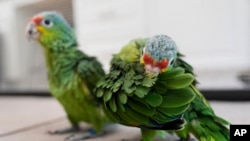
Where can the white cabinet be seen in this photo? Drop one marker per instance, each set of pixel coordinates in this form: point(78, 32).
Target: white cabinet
point(103, 27)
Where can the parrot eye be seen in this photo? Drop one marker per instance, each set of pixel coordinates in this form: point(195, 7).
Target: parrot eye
point(47, 23)
point(172, 62)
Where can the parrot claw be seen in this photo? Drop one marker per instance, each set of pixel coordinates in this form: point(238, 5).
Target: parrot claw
point(90, 134)
point(188, 139)
point(69, 137)
point(73, 129)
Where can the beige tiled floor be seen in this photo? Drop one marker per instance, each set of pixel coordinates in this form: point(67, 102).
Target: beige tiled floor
point(29, 119)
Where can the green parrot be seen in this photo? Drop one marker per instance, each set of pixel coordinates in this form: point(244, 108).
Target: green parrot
point(72, 75)
point(145, 89)
point(150, 86)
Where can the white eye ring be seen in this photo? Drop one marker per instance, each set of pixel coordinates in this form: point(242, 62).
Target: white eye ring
point(143, 50)
point(47, 23)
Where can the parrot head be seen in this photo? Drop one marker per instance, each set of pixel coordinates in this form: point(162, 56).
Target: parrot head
point(158, 55)
point(49, 28)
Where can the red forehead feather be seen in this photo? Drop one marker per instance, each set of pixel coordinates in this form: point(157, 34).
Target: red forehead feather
point(37, 19)
point(162, 64)
point(147, 59)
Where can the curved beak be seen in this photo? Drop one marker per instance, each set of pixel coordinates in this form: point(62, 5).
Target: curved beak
point(157, 67)
point(31, 31)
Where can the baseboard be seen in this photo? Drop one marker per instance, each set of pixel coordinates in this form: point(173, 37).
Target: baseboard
point(222, 95)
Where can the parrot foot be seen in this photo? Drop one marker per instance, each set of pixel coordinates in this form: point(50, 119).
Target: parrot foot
point(188, 139)
point(89, 134)
point(74, 128)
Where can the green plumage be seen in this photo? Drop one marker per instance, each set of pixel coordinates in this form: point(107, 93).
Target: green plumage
point(72, 75)
point(200, 117)
point(135, 99)
point(132, 98)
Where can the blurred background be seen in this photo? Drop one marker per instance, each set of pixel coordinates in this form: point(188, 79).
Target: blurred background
point(214, 36)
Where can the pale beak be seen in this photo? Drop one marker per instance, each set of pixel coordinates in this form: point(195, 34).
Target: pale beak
point(31, 31)
point(152, 70)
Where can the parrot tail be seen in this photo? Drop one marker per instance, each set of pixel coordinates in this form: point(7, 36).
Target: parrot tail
point(212, 129)
point(203, 123)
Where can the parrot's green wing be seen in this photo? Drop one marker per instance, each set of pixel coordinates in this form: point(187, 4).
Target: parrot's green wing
point(73, 78)
point(90, 69)
point(132, 98)
point(187, 67)
point(201, 120)
point(74, 61)
point(91, 72)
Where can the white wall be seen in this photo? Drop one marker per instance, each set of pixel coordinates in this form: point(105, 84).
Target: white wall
point(216, 29)
point(103, 27)
point(212, 34)
point(8, 46)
